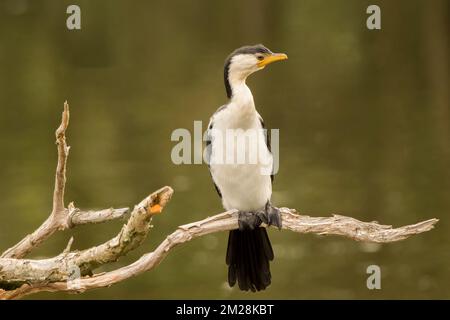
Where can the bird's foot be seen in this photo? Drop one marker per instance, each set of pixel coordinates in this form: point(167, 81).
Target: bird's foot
point(249, 220)
point(273, 216)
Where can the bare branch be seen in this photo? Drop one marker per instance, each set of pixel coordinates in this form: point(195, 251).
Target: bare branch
point(69, 246)
point(58, 217)
point(14, 272)
point(335, 225)
point(59, 212)
point(78, 217)
point(352, 228)
point(61, 218)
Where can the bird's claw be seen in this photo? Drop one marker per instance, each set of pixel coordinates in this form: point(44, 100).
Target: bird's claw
point(250, 220)
point(273, 216)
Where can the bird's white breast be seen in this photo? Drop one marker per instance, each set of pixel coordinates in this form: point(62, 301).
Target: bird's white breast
point(244, 186)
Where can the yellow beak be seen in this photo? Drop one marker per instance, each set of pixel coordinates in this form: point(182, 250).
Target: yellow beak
point(272, 58)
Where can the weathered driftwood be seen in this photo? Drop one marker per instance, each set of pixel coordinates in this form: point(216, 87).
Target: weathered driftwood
point(60, 218)
point(15, 272)
point(72, 271)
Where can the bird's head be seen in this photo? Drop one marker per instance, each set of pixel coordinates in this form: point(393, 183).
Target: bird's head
point(246, 60)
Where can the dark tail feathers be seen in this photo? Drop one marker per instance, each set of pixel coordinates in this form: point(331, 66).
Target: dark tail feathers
point(248, 256)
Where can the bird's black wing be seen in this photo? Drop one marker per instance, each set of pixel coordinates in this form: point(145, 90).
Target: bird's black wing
point(268, 142)
point(209, 146)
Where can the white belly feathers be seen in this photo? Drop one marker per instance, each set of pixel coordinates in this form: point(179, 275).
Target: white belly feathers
point(242, 176)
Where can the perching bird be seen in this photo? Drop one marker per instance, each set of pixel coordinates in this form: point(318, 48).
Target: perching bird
point(246, 185)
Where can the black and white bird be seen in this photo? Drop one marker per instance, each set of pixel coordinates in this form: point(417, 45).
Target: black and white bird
point(245, 185)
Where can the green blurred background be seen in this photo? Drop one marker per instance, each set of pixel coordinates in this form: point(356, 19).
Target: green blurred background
point(363, 118)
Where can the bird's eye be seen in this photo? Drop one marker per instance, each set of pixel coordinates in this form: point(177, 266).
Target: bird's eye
point(260, 57)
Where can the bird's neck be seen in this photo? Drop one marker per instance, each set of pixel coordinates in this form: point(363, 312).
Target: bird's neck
point(241, 111)
point(241, 94)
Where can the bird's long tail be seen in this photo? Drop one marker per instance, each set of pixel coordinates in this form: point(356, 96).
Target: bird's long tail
point(248, 256)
